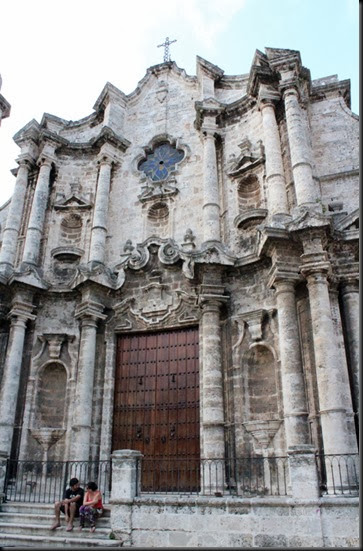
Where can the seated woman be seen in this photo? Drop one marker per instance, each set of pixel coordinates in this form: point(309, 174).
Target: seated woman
point(92, 507)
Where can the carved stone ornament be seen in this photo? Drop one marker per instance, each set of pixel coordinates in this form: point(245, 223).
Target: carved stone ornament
point(263, 431)
point(169, 252)
point(47, 437)
point(156, 304)
point(249, 158)
point(51, 346)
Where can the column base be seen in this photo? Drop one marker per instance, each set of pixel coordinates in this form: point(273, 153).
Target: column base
point(303, 472)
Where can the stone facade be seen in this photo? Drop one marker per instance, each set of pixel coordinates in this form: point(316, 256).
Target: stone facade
point(249, 231)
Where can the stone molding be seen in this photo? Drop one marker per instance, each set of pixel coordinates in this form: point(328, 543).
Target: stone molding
point(90, 309)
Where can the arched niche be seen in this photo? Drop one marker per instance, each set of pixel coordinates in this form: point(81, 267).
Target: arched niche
point(51, 395)
point(261, 384)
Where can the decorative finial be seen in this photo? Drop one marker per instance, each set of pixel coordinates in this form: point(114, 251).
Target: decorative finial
point(166, 45)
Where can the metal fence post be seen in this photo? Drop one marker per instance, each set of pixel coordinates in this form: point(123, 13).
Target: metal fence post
point(3, 473)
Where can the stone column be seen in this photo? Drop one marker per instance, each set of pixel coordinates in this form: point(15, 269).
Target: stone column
point(211, 206)
point(212, 403)
point(333, 387)
point(275, 178)
point(14, 218)
point(292, 378)
point(212, 382)
point(19, 315)
point(37, 214)
point(89, 314)
point(99, 227)
point(350, 305)
point(305, 187)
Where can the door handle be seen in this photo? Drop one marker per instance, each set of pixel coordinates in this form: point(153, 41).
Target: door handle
point(163, 439)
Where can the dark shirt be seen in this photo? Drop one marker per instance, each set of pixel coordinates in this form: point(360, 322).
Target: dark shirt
point(69, 493)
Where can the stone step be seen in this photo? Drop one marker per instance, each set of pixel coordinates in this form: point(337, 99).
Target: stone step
point(25, 541)
point(37, 508)
point(28, 525)
point(43, 530)
point(43, 519)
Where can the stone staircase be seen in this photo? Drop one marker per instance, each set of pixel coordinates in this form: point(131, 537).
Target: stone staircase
point(27, 525)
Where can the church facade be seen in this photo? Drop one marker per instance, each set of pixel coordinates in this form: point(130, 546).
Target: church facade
point(179, 271)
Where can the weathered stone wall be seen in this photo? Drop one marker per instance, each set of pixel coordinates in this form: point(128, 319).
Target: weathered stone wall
point(233, 522)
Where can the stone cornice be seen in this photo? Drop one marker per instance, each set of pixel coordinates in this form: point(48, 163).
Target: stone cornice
point(337, 89)
point(110, 94)
point(106, 136)
point(260, 74)
point(30, 132)
point(209, 69)
point(236, 108)
point(30, 277)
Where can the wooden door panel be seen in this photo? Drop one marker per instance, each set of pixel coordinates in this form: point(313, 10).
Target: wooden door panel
point(156, 407)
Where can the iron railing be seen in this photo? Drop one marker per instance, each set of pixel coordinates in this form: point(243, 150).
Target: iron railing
point(46, 481)
point(245, 476)
point(338, 474)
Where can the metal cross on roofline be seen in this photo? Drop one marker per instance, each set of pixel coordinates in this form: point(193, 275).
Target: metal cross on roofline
point(166, 45)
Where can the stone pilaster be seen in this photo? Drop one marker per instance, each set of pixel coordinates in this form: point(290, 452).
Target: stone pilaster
point(303, 472)
point(333, 388)
point(37, 214)
point(99, 226)
point(305, 187)
point(126, 471)
point(349, 290)
point(292, 378)
point(89, 313)
point(14, 218)
point(211, 204)
point(19, 315)
point(275, 178)
point(126, 475)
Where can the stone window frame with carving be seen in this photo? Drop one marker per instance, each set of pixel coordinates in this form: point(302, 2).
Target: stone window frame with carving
point(165, 186)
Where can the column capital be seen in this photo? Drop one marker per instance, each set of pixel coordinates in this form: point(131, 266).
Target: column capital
point(25, 160)
point(283, 274)
point(268, 98)
point(90, 310)
point(104, 159)
point(315, 263)
point(45, 160)
point(349, 285)
point(21, 311)
point(211, 297)
point(209, 132)
point(290, 88)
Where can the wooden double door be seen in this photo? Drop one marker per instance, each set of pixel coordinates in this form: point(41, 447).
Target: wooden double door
point(156, 406)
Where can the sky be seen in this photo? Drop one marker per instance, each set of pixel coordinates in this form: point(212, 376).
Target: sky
point(57, 55)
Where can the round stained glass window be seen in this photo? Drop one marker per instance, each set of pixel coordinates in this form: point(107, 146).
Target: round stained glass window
point(161, 162)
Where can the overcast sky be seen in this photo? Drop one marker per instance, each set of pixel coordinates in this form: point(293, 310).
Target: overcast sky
point(57, 55)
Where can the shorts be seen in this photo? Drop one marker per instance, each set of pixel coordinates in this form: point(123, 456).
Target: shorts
point(76, 514)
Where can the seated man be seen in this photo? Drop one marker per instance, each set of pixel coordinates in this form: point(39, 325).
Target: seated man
point(73, 499)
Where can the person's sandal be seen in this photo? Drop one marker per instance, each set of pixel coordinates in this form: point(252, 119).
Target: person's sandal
point(55, 525)
point(93, 528)
point(69, 527)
